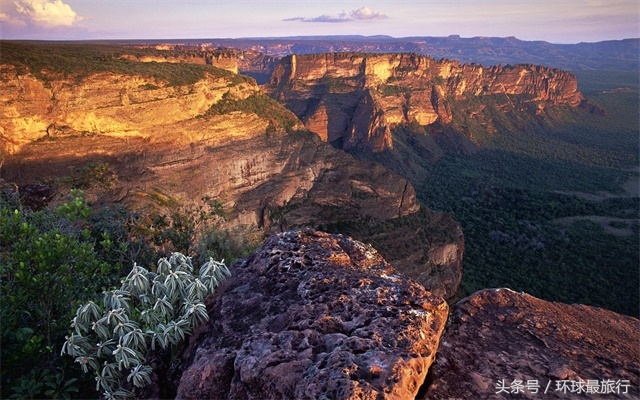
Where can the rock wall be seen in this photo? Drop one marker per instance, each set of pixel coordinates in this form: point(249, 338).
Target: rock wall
point(355, 98)
point(164, 149)
point(224, 59)
point(311, 316)
point(103, 104)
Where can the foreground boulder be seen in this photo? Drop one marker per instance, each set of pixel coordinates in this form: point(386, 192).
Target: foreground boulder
point(503, 344)
point(310, 316)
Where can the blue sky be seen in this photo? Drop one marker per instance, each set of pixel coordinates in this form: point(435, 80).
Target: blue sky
point(557, 21)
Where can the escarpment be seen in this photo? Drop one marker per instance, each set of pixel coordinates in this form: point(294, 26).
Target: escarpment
point(153, 145)
point(108, 103)
point(219, 58)
point(354, 100)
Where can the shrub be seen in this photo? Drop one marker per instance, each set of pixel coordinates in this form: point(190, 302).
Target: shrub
point(149, 310)
point(48, 263)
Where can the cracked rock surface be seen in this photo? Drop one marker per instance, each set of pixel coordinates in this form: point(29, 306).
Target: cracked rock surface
point(310, 316)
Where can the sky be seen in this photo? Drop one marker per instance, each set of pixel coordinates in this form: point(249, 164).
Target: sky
point(556, 21)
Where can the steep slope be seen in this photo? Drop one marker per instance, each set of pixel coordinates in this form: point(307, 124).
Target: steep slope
point(217, 139)
point(355, 100)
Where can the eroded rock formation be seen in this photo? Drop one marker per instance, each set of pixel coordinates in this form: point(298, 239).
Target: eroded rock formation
point(355, 99)
point(109, 104)
point(311, 316)
point(162, 146)
point(220, 58)
point(500, 344)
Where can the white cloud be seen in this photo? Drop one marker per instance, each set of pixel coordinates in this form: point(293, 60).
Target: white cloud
point(361, 14)
point(365, 13)
point(50, 13)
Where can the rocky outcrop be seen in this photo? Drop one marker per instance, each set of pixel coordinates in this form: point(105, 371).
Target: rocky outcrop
point(311, 316)
point(500, 344)
point(375, 92)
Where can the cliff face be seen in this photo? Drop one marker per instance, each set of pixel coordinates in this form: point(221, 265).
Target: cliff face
point(226, 60)
point(247, 62)
point(166, 133)
point(218, 138)
point(311, 316)
point(107, 103)
point(355, 99)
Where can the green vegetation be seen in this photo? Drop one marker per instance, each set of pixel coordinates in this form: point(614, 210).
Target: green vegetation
point(50, 260)
point(81, 60)
point(259, 104)
point(592, 82)
point(394, 90)
point(389, 236)
point(512, 239)
point(150, 309)
point(531, 171)
point(334, 85)
point(58, 257)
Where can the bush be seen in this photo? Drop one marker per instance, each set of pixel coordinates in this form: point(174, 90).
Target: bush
point(47, 264)
point(150, 309)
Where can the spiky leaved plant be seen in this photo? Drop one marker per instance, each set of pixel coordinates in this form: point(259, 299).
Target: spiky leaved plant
point(149, 309)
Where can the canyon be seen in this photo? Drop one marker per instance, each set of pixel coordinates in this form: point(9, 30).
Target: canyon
point(347, 297)
point(167, 146)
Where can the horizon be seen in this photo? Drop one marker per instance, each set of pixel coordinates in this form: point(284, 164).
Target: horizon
point(568, 22)
point(301, 38)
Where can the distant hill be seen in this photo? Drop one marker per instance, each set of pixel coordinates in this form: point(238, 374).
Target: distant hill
point(619, 55)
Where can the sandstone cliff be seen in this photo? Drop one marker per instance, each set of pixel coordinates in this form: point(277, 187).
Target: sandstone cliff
point(217, 138)
point(224, 59)
point(248, 62)
point(109, 104)
point(312, 316)
point(354, 99)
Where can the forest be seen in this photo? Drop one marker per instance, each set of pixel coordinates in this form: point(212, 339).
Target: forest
point(553, 211)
